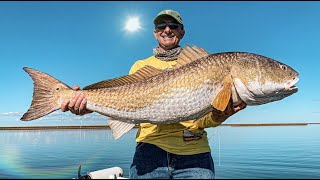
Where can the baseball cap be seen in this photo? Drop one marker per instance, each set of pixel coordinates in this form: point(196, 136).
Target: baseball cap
point(169, 12)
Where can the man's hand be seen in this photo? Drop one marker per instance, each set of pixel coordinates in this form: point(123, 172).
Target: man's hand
point(77, 105)
point(221, 116)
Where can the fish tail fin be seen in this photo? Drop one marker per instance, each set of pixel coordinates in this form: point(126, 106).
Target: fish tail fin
point(45, 94)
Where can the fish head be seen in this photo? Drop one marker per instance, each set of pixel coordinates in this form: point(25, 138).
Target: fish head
point(261, 80)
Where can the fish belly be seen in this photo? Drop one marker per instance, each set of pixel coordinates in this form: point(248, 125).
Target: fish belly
point(180, 105)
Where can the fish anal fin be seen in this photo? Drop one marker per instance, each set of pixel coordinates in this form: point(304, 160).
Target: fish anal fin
point(119, 128)
point(143, 73)
point(189, 54)
point(222, 99)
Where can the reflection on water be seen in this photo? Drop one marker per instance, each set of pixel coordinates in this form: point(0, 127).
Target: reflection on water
point(58, 153)
point(239, 152)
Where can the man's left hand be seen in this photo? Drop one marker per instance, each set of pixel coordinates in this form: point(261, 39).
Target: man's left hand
point(221, 116)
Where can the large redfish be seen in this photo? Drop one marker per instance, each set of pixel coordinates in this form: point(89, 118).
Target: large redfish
point(198, 83)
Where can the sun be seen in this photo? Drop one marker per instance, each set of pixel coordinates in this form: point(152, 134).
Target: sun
point(132, 24)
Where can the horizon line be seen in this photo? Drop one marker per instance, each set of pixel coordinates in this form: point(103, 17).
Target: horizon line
point(137, 126)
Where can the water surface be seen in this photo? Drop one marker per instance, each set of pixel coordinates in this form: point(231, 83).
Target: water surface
point(239, 152)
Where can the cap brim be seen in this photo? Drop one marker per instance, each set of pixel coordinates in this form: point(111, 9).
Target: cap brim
point(162, 15)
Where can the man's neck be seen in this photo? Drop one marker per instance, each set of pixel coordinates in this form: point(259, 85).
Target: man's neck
point(162, 48)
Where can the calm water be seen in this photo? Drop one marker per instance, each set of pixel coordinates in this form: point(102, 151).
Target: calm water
point(239, 152)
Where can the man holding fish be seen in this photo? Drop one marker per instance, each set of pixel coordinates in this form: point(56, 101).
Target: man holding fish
point(177, 150)
point(173, 96)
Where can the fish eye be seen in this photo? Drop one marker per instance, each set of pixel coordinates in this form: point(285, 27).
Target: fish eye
point(57, 88)
point(283, 67)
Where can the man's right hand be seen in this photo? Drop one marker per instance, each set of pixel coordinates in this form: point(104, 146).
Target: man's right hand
point(77, 105)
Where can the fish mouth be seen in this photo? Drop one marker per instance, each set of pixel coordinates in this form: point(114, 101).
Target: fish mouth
point(291, 88)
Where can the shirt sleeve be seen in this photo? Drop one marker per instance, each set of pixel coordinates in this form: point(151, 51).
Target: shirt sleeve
point(136, 66)
point(207, 121)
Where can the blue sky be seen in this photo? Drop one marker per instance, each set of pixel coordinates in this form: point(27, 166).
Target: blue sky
point(84, 42)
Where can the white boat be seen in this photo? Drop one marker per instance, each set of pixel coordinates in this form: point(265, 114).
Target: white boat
point(108, 173)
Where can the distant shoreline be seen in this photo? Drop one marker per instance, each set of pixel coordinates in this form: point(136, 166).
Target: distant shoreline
point(107, 127)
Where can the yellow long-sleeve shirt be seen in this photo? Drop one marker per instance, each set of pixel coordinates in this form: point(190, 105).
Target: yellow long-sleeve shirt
point(183, 138)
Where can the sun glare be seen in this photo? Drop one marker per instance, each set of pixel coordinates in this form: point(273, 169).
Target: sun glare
point(132, 24)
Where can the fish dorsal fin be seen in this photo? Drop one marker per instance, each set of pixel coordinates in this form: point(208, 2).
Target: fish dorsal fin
point(146, 72)
point(189, 54)
point(143, 73)
point(119, 128)
point(220, 102)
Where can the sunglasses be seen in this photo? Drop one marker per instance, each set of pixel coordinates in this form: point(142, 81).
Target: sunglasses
point(163, 26)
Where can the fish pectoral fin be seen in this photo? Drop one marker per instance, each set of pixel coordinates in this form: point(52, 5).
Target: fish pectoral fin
point(119, 127)
point(222, 99)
